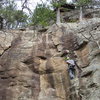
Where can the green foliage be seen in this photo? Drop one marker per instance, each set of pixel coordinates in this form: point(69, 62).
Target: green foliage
point(42, 15)
point(83, 2)
point(20, 16)
point(58, 3)
point(12, 16)
point(7, 12)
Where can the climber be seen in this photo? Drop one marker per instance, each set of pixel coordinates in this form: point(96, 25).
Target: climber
point(71, 67)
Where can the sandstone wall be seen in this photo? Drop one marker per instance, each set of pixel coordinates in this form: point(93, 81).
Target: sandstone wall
point(32, 66)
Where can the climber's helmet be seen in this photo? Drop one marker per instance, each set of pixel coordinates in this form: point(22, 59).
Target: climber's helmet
point(67, 58)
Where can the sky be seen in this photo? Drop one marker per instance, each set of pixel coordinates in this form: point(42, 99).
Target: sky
point(32, 3)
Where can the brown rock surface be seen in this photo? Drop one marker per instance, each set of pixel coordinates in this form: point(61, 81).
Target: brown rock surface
point(32, 66)
point(29, 70)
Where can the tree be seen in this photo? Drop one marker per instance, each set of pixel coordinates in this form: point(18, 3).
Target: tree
point(7, 13)
point(12, 17)
point(42, 15)
point(81, 4)
point(1, 22)
point(1, 18)
point(20, 17)
point(56, 5)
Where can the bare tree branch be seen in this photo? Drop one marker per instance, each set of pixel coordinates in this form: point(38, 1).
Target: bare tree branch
point(25, 6)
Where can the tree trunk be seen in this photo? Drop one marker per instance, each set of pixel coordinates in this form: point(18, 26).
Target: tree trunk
point(81, 14)
point(1, 22)
point(58, 16)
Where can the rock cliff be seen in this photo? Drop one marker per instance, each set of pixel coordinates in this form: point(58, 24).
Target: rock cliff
point(32, 64)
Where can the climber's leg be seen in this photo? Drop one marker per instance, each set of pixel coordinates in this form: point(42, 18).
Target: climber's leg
point(73, 71)
point(71, 74)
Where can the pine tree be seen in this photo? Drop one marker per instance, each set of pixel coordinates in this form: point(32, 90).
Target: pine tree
point(12, 17)
point(42, 15)
point(82, 4)
point(57, 4)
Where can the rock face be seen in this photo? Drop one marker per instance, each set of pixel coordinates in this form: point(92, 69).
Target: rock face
point(89, 60)
point(32, 66)
point(72, 16)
